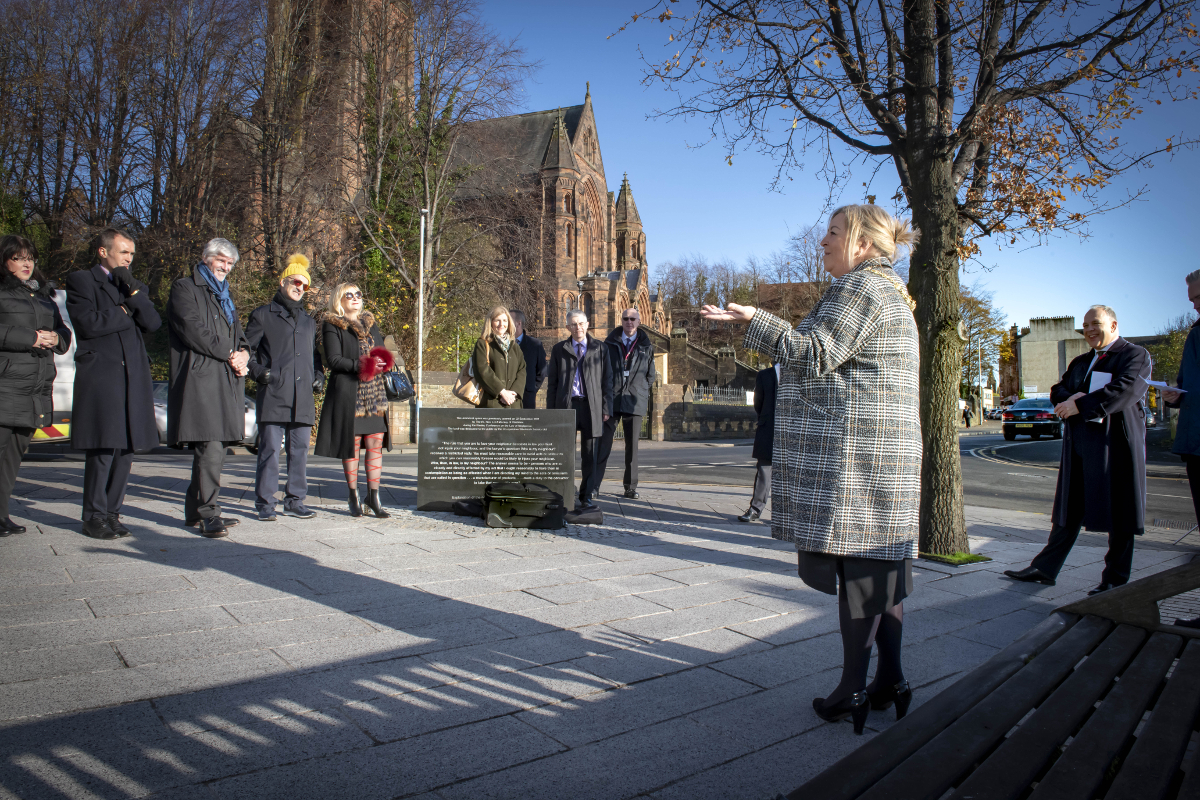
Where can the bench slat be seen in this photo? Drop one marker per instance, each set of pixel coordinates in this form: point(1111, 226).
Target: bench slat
point(856, 771)
point(929, 772)
point(1151, 764)
point(1083, 765)
point(1009, 771)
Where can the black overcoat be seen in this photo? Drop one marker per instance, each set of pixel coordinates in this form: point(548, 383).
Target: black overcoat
point(288, 348)
point(535, 369)
point(497, 370)
point(335, 435)
point(206, 401)
point(597, 378)
point(765, 384)
point(27, 374)
point(631, 394)
point(112, 370)
point(1113, 451)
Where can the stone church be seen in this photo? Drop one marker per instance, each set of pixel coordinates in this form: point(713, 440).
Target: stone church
point(593, 250)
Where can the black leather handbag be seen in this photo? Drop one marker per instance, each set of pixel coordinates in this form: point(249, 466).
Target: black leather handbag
point(397, 385)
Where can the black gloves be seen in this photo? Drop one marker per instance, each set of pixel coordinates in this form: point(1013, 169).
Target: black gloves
point(265, 380)
point(318, 385)
point(124, 280)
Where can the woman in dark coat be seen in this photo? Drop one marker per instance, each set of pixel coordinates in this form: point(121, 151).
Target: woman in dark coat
point(31, 333)
point(354, 414)
point(499, 366)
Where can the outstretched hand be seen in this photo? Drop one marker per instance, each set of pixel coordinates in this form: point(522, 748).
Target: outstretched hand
point(731, 313)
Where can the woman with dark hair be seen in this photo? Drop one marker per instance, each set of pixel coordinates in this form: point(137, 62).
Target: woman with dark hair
point(31, 333)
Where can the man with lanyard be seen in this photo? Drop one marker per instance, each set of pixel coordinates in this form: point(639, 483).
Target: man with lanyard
point(633, 370)
point(579, 377)
point(1102, 476)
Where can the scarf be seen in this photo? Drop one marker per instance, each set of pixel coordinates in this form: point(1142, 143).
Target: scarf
point(503, 342)
point(294, 307)
point(221, 290)
point(32, 284)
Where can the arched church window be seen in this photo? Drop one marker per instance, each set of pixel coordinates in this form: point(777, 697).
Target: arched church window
point(588, 306)
point(570, 240)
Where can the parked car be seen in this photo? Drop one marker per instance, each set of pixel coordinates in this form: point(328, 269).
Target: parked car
point(1033, 416)
point(160, 417)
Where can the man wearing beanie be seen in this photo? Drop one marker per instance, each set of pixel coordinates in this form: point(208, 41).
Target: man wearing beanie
point(285, 363)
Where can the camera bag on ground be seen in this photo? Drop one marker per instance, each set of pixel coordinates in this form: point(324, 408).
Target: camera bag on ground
point(522, 505)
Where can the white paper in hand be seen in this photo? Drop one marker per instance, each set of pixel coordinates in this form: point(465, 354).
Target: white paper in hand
point(1099, 381)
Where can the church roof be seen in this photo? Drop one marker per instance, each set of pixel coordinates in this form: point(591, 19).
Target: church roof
point(558, 151)
point(626, 208)
point(505, 151)
point(631, 279)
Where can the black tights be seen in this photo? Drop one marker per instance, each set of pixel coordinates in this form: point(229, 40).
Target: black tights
point(885, 631)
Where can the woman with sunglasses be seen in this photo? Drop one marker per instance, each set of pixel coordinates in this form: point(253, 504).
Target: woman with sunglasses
point(354, 415)
point(31, 334)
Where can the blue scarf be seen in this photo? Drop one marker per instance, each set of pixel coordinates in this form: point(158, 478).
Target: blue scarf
point(221, 290)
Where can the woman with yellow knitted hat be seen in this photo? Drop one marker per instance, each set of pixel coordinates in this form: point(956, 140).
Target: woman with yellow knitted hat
point(287, 366)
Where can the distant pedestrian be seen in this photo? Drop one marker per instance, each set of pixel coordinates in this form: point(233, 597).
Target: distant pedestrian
point(846, 483)
point(633, 373)
point(579, 377)
point(286, 365)
point(354, 413)
point(206, 404)
point(499, 363)
point(1102, 474)
point(112, 412)
point(766, 383)
point(535, 360)
point(967, 414)
point(33, 332)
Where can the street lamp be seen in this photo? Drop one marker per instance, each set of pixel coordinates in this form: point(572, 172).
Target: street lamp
point(421, 320)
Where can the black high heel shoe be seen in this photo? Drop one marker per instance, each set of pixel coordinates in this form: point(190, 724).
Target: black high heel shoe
point(900, 694)
point(374, 504)
point(355, 506)
point(855, 706)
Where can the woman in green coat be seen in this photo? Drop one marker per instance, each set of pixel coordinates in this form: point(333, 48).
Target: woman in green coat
point(498, 362)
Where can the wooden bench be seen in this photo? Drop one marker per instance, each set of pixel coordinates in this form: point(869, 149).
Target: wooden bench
point(1098, 701)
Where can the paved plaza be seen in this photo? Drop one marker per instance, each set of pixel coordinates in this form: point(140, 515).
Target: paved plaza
point(670, 653)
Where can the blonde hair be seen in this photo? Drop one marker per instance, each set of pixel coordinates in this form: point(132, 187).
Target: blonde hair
point(487, 323)
point(335, 299)
point(881, 230)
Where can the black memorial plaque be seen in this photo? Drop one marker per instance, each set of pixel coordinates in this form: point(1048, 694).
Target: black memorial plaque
point(462, 450)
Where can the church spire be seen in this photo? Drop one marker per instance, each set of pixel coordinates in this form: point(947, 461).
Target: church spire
point(627, 213)
point(558, 151)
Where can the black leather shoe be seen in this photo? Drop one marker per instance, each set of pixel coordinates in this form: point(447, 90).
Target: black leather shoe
point(750, 515)
point(355, 506)
point(898, 693)
point(266, 515)
point(98, 528)
point(301, 511)
point(7, 526)
point(585, 506)
point(1103, 587)
point(228, 522)
point(632, 494)
point(374, 504)
point(213, 528)
point(855, 706)
point(1030, 575)
point(114, 522)
point(1188, 623)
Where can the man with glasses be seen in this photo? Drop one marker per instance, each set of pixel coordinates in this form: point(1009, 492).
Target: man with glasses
point(579, 377)
point(286, 365)
point(632, 357)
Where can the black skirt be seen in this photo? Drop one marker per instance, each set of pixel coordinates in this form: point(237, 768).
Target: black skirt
point(372, 423)
point(871, 585)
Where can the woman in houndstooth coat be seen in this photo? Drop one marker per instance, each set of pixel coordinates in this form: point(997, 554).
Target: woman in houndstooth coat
point(846, 486)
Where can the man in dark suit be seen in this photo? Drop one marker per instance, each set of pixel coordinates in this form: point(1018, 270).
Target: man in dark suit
point(535, 360)
point(1102, 476)
point(633, 372)
point(765, 384)
point(112, 413)
point(579, 376)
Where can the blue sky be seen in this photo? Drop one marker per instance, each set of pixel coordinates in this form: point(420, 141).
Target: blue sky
point(691, 201)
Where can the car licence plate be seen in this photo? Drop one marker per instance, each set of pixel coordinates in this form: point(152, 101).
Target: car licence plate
point(1024, 424)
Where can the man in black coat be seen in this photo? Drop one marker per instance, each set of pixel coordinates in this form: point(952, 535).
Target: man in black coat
point(765, 384)
point(535, 360)
point(1102, 477)
point(206, 405)
point(579, 376)
point(112, 412)
point(632, 357)
point(286, 365)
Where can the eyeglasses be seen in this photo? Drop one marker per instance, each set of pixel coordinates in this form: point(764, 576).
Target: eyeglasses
point(352, 296)
point(298, 282)
point(629, 319)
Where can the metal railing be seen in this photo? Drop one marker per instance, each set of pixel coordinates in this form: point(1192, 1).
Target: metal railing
point(719, 395)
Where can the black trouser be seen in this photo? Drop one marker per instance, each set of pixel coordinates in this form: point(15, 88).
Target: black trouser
point(587, 447)
point(201, 502)
point(632, 424)
point(105, 476)
point(529, 400)
point(762, 486)
point(13, 444)
point(266, 482)
point(1118, 561)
